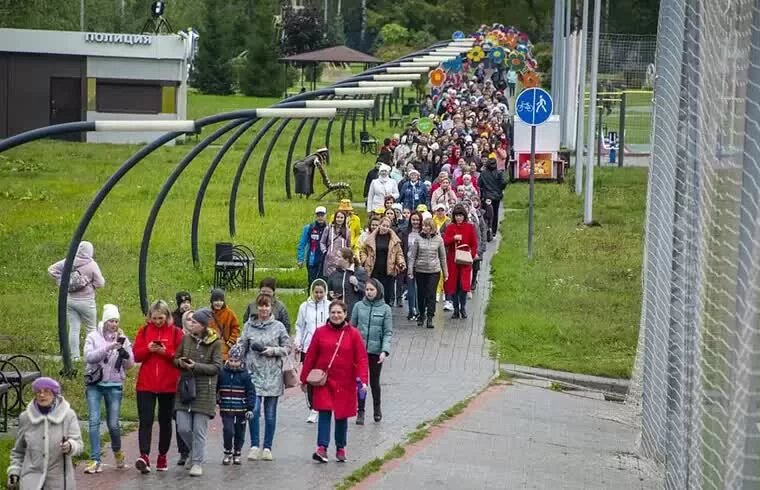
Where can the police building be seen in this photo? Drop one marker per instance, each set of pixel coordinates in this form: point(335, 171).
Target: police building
point(53, 77)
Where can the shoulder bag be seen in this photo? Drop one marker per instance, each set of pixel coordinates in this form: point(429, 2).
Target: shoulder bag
point(187, 388)
point(289, 373)
point(77, 281)
point(94, 375)
point(318, 377)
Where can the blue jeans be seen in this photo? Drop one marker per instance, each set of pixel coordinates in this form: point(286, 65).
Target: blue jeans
point(411, 295)
point(112, 396)
point(314, 271)
point(323, 430)
point(270, 421)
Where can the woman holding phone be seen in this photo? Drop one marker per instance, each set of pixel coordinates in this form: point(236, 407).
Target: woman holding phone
point(156, 343)
point(108, 352)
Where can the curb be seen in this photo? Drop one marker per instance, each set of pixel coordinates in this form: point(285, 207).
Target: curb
point(610, 385)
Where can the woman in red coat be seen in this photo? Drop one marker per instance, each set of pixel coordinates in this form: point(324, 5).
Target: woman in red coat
point(458, 234)
point(340, 343)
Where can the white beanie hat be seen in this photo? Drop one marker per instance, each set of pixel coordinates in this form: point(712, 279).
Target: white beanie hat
point(110, 312)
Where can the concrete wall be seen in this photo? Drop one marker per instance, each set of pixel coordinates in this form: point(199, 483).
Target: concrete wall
point(134, 69)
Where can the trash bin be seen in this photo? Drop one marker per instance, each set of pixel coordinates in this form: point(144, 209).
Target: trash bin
point(303, 171)
point(224, 251)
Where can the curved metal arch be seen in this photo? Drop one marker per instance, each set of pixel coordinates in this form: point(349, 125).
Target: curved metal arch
point(353, 126)
point(142, 272)
point(200, 196)
point(239, 174)
point(265, 162)
point(343, 132)
point(289, 161)
point(310, 138)
point(46, 132)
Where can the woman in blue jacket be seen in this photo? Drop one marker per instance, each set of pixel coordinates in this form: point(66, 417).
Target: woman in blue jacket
point(374, 319)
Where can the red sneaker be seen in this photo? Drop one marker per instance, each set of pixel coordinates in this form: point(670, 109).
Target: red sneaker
point(161, 464)
point(143, 464)
point(340, 455)
point(320, 455)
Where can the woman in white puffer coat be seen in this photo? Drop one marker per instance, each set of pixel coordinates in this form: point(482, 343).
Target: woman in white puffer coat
point(381, 187)
point(313, 313)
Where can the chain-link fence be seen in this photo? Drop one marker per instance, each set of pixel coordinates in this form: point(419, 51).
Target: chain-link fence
point(626, 61)
point(623, 121)
point(697, 375)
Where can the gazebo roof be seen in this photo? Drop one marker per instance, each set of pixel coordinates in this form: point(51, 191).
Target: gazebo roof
point(335, 54)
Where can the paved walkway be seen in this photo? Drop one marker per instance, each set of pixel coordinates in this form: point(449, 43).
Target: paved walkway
point(519, 437)
point(428, 371)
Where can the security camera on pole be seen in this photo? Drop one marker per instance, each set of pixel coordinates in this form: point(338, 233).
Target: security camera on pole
point(533, 106)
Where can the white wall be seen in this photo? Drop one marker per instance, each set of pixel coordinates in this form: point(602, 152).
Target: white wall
point(133, 68)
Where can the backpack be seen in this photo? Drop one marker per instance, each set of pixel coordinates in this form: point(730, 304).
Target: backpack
point(77, 281)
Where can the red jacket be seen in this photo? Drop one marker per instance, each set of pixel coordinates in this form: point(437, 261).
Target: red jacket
point(157, 372)
point(457, 272)
point(339, 393)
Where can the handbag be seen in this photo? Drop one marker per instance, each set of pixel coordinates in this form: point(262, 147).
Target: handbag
point(462, 256)
point(289, 374)
point(77, 281)
point(187, 388)
point(93, 375)
point(318, 377)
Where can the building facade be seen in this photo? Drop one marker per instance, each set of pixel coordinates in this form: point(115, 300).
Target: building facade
point(54, 77)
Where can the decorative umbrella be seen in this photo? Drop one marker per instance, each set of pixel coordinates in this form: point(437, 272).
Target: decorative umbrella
point(476, 54)
point(530, 79)
point(497, 56)
point(437, 77)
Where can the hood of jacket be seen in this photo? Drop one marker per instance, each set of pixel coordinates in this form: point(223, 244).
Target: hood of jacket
point(256, 323)
point(380, 293)
point(210, 337)
point(85, 254)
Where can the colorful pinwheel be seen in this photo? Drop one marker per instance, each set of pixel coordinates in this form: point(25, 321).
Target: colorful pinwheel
point(511, 40)
point(530, 79)
point(437, 77)
point(497, 56)
point(476, 54)
point(522, 48)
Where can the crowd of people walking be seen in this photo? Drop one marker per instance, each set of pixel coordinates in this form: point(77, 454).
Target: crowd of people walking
point(432, 203)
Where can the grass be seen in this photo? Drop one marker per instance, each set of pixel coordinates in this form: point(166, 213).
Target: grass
point(46, 186)
point(576, 305)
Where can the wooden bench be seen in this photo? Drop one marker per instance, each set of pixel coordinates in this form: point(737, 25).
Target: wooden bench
point(19, 374)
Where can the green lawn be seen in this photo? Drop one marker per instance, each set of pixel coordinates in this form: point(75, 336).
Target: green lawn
point(46, 186)
point(576, 306)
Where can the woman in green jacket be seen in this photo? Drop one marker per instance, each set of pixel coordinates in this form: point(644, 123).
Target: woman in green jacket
point(374, 319)
point(199, 356)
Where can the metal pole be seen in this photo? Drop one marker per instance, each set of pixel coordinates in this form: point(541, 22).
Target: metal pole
point(599, 137)
point(621, 130)
point(583, 35)
point(531, 189)
point(588, 215)
point(567, 71)
point(81, 15)
point(556, 61)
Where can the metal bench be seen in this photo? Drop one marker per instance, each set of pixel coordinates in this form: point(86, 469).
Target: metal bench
point(19, 371)
point(5, 389)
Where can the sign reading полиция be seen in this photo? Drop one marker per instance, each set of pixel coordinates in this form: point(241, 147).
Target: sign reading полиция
point(111, 38)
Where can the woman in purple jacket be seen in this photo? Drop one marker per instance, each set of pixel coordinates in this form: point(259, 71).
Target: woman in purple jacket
point(108, 354)
point(80, 304)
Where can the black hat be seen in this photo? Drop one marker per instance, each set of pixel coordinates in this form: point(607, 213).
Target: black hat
point(217, 295)
point(183, 296)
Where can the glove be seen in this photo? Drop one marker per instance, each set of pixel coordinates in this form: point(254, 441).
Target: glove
point(248, 415)
point(13, 482)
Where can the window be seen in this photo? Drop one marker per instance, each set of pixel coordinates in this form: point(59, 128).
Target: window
point(128, 96)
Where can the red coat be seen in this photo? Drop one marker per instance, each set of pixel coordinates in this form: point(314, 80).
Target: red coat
point(457, 272)
point(339, 393)
point(157, 371)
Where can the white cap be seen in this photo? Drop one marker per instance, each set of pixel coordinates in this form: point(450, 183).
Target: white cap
point(110, 312)
point(438, 206)
point(320, 209)
point(397, 205)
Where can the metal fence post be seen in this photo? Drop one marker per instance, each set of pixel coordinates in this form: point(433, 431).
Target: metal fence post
point(621, 130)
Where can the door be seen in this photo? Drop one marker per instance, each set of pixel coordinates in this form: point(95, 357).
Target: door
point(66, 103)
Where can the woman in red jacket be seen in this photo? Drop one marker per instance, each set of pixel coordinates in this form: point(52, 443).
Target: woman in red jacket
point(154, 348)
point(337, 348)
point(459, 235)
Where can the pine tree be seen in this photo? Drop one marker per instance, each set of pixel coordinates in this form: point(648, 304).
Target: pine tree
point(263, 75)
point(213, 73)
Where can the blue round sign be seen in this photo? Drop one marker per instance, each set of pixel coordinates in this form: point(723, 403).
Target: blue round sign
point(457, 35)
point(534, 106)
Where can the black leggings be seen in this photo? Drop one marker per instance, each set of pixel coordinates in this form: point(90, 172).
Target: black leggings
point(374, 382)
point(388, 283)
point(427, 283)
point(146, 407)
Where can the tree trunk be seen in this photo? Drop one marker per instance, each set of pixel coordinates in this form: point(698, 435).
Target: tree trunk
point(363, 23)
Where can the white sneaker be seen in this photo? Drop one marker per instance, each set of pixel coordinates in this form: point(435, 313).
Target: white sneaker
point(448, 306)
point(196, 470)
point(267, 455)
point(440, 297)
point(254, 454)
point(312, 419)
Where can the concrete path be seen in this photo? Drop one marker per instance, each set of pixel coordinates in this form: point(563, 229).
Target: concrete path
point(524, 437)
point(428, 371)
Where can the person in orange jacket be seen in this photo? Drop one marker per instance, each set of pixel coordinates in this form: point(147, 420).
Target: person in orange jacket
point(225, 322)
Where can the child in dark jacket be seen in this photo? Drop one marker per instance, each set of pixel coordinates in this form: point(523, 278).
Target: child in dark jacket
point(236, 399)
